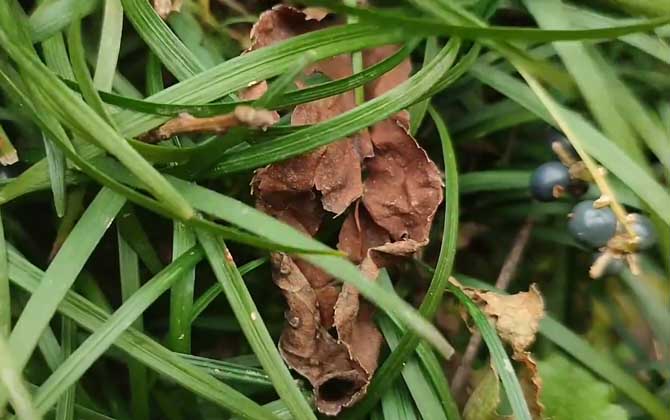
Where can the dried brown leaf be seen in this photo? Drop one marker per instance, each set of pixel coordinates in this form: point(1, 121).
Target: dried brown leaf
point(166, 7)
point(339, 368)
point(403, 187)
point(331, 338)
point(517, 317)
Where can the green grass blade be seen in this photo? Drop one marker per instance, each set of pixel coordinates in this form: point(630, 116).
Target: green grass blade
point(262, 64)
point(430, 27)
point(181, 293)
point(5, 294)
point(231, 372)
point(287, 99)
point(75, 46)
point(417, 112)
point(252, 325)
point(140, 347)
point(70, 108)
point(174, 55)
point(65, 406)
point(591, 82)
point(130, 283)
point(418, 383)
point(215, 290)
point(344, 124)
point(392, 366)
point(13, 384)
point(590, 19)
point(55, 56)
point(136, 237)
point(397, 404)
point(494, 180)
point(96, 345)
point(283, 82)
point(110, 43)
point(652, 306)
point(54, 15)
point(62, 273)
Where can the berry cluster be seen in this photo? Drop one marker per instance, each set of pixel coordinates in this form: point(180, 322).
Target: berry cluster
point(592, 223)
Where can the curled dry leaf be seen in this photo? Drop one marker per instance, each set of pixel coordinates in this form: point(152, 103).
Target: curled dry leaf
point(331, 338)
point(166, 7)
point(517, 320)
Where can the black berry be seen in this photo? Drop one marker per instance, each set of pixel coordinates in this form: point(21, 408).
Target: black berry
point(591, 225)
point(549, 181)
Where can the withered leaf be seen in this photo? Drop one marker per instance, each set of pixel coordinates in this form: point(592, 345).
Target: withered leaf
point(516, 317)
point(339, 368)
point(331, 338)
point(403, 188)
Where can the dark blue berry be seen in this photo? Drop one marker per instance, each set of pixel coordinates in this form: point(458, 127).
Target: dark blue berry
point(591, 225)
point(549, 181)
point(645, 231)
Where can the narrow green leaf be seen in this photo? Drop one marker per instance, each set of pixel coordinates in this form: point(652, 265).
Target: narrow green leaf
point(5, 294)
point(95, 345)
point(283, 82)
point(586, 18)
point(130, 284)
point(82, 118)
point(652, 305)
point(65, 406)
point(261, 64)
point(418, 383)
point(139, 346)
point(344, 124)
point(133, 233)
point(174, 55)
point(423, 26)
point(110, 43)
point(591, 82)
point(181, 293)
point(397, 404)
point(418, 111)
point(231, 372)
point(252, 325)
point(75, 47)
point(215, 290)
point(62, 273)
point(13, 384)
point(54, 15)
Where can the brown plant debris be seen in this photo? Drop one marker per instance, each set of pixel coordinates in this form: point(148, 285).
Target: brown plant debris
point(188, 124)
point(166, 7)
point(330, 337)
point(517, 320)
